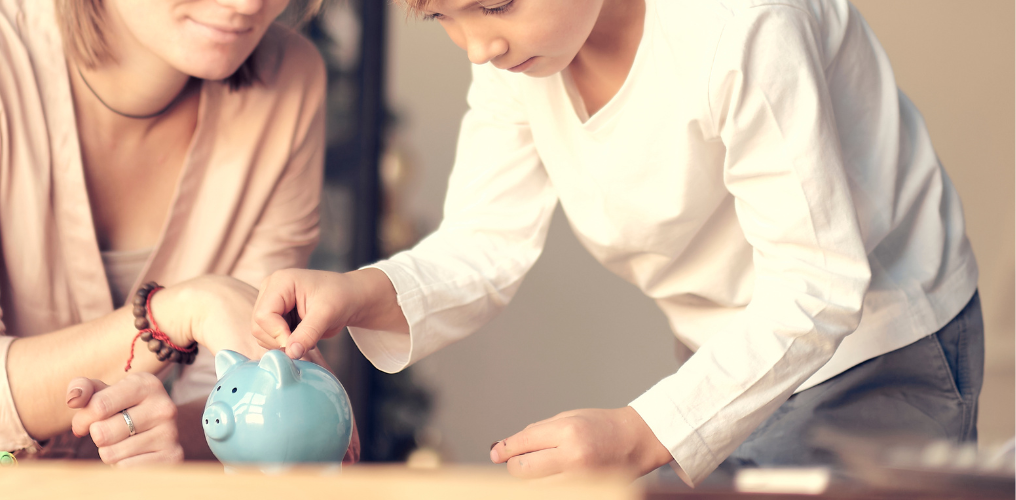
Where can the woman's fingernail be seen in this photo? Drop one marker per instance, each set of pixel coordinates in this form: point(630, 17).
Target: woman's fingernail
point(493, 455)
point(74, 394)
point(297, 351)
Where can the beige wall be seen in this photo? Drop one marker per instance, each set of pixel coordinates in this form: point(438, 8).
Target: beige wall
point(956, 62)
point(576, 336)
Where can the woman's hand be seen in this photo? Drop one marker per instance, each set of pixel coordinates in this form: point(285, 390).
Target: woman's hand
point(150, 409)
point(212, 310)
point(583, 440)
point(325, 303)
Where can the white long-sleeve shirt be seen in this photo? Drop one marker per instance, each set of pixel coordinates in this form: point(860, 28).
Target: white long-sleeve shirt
point(758, 174)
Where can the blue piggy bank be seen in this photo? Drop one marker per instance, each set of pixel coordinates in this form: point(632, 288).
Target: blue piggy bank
point(275, 411)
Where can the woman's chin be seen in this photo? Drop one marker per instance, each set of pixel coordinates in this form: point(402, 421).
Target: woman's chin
point(211, 70)
point(214, 74)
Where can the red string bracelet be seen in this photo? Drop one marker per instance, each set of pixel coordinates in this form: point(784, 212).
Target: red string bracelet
point(158, 341)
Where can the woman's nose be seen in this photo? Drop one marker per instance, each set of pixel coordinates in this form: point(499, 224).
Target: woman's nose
point(248, 7)
point(481, 49)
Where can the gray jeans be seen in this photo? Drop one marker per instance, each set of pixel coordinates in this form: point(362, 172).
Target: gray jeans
point(927, 389)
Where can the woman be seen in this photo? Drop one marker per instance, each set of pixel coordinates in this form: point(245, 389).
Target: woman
point(140, 141)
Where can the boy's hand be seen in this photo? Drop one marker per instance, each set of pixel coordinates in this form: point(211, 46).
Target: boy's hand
point(583, 440)
point(326, 303)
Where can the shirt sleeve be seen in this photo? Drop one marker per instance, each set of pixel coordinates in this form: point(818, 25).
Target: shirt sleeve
point(771, 108)
point(496, 214)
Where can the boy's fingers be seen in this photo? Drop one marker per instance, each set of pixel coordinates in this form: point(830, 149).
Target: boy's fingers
point(536, 464)
point(306, 336)
point(271, 331)
point(270, 325)
point(535, 438)
point(276, 297)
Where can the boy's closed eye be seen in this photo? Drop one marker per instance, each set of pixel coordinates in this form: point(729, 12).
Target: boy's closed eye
point(490, 7)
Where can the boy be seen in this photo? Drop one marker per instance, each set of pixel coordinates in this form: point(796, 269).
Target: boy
point(751, 166)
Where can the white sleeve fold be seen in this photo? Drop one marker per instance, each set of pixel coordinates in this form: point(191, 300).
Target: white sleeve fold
point(771, 108)
point(496, 215)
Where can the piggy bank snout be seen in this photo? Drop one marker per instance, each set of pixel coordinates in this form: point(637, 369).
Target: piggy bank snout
point(217, 421)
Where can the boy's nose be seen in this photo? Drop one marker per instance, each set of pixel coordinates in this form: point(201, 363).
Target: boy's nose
point(481, 50)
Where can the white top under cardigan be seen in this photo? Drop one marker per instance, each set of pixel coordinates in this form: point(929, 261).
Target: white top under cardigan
point(759, 175)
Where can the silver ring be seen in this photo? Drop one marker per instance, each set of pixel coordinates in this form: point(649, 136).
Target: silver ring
point(130, 423)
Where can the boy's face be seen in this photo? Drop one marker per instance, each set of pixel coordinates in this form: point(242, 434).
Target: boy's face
point(535, 37)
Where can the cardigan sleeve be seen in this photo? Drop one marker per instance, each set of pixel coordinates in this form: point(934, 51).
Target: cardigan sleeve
point(287, 230)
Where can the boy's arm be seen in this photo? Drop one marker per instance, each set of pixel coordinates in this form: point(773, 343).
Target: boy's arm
point(785, 169)
point(497, 211)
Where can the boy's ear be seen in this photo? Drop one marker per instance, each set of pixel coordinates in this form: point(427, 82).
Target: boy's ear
point(225, 360)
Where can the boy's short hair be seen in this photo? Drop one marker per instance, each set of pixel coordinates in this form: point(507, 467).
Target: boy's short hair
point(414, 7)
point(81, 24)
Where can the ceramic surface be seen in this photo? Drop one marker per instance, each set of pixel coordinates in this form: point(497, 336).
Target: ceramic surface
point(275, 411)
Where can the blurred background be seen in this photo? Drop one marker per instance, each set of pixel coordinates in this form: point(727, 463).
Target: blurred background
point(576, 336)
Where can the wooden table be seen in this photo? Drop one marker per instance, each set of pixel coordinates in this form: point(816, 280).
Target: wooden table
point(194, 481)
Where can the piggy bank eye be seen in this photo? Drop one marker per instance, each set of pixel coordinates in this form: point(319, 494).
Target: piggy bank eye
point(219, 387)
point(234, 390)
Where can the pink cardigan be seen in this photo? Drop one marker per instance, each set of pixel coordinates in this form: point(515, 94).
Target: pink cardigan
point(246, 203)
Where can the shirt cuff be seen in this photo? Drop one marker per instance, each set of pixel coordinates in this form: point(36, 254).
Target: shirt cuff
point(13, 436)
point(391, 352)
point(694, 460)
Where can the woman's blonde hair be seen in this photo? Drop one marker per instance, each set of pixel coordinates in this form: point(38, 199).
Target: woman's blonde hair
point(81, 24)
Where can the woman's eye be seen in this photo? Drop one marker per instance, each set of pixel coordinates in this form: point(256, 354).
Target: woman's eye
point(433, 17)
point(500, 9)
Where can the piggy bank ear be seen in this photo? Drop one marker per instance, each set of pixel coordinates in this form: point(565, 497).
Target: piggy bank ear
point(281, 367)
point(226, 359)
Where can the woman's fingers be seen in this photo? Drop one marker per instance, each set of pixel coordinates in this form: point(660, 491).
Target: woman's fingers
point(80, 390)
point(173, 455)
point(146, 416)
point(149, 412)
point(111, 400)
point(159, 444)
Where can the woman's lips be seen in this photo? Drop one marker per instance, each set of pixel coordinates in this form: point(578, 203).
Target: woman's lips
point(217, 33)
point(523, 66)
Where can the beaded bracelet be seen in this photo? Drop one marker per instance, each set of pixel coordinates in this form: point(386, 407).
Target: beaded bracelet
point(158, 342)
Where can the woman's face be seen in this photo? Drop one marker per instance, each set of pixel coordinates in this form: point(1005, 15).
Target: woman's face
point(535, 37)
point(207, 39)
